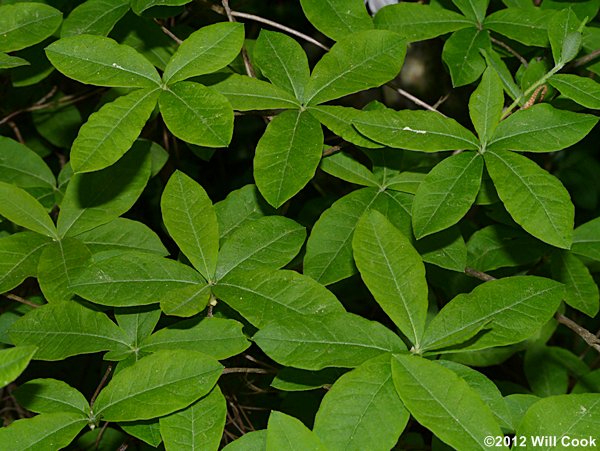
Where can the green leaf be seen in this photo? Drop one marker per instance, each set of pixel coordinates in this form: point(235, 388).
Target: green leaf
point(268, 296)
point(99, 197)
point(20, 207)
point(336, 339)
point(200, 426)
point(60, 264)
point(157, 385)
point(447, 193)
point(406, 182)
point(486, 104)
point(572, 416)
point(511, 310)
point(64, 329)
point(241, 206)
point(139, 6)
point(101, 61)
point(21, 166)
point(424, 131)
point(363, 60)
point(13, 362)
point(545, 376)
point(51, 395)
point(185, 301)
point(493, 60)
point(283, 61)
point(328, 256)
point(527, 26)
point(446, 249)
point(46, 432)
point(541, 128)
point(250, 441)
point(337, 18)
point(19, 256)
point(462, 55)
point(94, 17)
point(247, 94)
point(291, 379)
point(415, 22)
point(267, 243)
point(586, 240)
point(133, 278)
point(10, 62)
point(360, 402)
point(210, 111)
point(343, 166)
point(205, 51)
point(473, 9)
point(123, 235)
point(339, 120)
point(25, 24)
point(536, 200)
point(562, 25)
point(499, 246)
point(191, 221)
point(443, 402)
point(582, 90)
point(287, 156)
point(581, 289)
point(217, 337)
point(147, 431)
point(111, 131)
point(394, 273)
point(286, 433)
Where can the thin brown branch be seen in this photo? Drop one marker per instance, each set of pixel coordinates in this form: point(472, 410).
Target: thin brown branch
point(592, 340)
point(168, 32)
point(14, 297)
point(100, 435)
point(510, 50)
point(101, 384)
point(478, 274)
point(585, 59)
point(16, 131)
point(247, 370)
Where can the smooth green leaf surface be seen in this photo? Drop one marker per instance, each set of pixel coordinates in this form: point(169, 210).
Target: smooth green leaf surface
point(51, 395)
point(337, 339)
point(270, 242)
point(157, 385)
point(139, 6)
point(415, 22)
point(424, 131)
point(510, 309)
point(200, 426)
point(99, 197)
point(361, 401)
point(250, 441)
point(581, 289)
point(94, 17)
point(205, 51)
point(64, 329)
point(337, 18)
point(46, 432)
point(247, 94)
point(191, 221)
point(541, 128)
point(21, 166)
point(446, 193)
point(10, 62)
point(268, 296)
point(563, 24)
point(473, 9)
point(343, 166)
point(23, 209)
point(210, 112)
point(133, 278)
point(61, 263)
point(357, 62)
point(536, 200)
point(217, 337)
point(393, 271)
point(112, 130)
point(25, 24)
point(185, 301)
point(287, 156)
point(286, 433)
point(443, 402)
point(586, 240)
point(19, 256)
point(462, 55)
point(582, 90)
point(527, 26)
point(13, 362)
point(486, 103)
point(283, 61)
point(101, 61)
point(339, 120)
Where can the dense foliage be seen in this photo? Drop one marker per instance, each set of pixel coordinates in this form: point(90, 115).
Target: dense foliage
point(299, 225)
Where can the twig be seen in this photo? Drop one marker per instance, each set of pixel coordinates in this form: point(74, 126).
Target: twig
point(100, 434)
point(101, 384)
point(586, 335)
point(585, 59)
point(478, 274)
point(168, 32)
point(16, 131)
point(245, 57)
point(413, 98)
point(14, 297)
point(247, 370)
point(510, 50)
point(331, 150)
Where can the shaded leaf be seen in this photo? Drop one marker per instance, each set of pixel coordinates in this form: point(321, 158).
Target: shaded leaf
point(337, 18)
point(25, 24)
